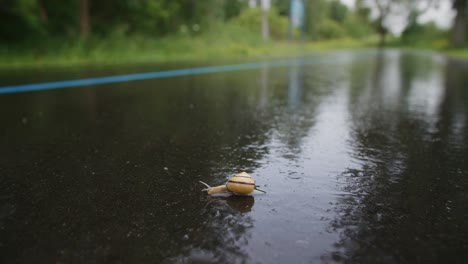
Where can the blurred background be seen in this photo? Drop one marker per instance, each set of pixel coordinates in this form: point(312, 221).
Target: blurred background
point(78, 31)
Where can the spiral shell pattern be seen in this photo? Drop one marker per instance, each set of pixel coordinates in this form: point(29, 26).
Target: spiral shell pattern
point(241, 183)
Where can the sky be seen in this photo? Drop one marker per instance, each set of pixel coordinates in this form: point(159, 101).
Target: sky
point(442, 15)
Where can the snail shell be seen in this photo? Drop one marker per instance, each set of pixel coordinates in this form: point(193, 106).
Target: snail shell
point(241, 183)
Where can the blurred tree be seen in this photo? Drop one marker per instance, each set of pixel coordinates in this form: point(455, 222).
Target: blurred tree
point(282, 6)
point(357, 22)
point(35, 21)
point(28, 10)
point(84, 18)
point(233, 8)
point(357, 27)
point(338, 11)
point(19, 18)
point(458, 37)
point(412, 25)
point(384, 7)
point(413, 28)
point(251, 19)
point(316, 11)
point(62, 18)
point(361, 10)
point(408, 10)
point(150, 17)
point(415, 9)
point(202, 15)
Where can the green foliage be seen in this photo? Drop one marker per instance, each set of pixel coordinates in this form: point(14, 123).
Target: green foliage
point(251, 19)
point(17, 18)
point(356, 27)
point(361, 10)
point(316, 11)
point(43, 29)
point(330, 29)
point(61, 18)
point(428, 35)
point(38, 20)
point(233, 8)
point(338, 11)
point(329, 20)
point(136, 16)
point(282, 6)
point(278, 25)
point(143, 49)
point(28, 11)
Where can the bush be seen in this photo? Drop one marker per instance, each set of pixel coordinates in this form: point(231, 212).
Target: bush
point(251, 19)
point(427, 34)
point(356, 27)
point(330, 29)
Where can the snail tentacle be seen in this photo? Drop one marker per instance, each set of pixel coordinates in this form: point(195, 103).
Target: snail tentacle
point(214, 189)
point(207, 186)
point(259, 190)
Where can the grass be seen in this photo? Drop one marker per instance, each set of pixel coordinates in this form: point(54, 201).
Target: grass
point(458, 53)
point(227, 44)
point(440, 45)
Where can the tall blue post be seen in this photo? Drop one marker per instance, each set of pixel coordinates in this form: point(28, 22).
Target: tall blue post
point(296, 18)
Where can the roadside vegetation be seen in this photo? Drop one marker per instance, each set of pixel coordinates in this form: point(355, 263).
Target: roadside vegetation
point(56, 33)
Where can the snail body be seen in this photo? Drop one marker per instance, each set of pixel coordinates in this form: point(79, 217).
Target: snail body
point(240, 184)
point(217, 189)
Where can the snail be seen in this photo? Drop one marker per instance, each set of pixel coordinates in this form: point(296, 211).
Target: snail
point(240, 184)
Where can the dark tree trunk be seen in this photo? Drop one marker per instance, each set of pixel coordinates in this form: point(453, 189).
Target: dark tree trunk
point(382, 31)
point(84, 18)
point(382, 38)
point(43, 12)
point(458, 37)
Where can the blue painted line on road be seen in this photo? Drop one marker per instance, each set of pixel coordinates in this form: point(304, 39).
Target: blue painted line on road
point(152, 75)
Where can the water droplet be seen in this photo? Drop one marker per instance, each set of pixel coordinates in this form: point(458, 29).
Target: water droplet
point(302, 242)
point(294, 177)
